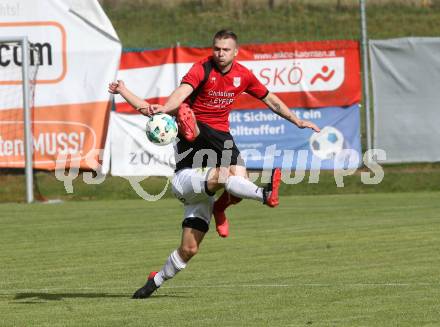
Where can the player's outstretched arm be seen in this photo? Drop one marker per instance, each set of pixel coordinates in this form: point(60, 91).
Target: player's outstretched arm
point(174, 100)
point(279, 107)
point(137, 103)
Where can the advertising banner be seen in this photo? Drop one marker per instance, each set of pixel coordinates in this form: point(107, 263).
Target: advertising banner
point(321, 75)
point(267, 140)
point(303, 74)
point(77, 54)
point(264, 139)
point(128, 152)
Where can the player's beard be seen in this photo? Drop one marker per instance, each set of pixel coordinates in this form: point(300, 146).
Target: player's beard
point(222, 64)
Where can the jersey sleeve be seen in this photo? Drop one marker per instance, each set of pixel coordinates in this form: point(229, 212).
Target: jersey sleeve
point(256, 88)
point(194, 76)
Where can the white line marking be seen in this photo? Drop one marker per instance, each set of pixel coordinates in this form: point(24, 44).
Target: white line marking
point(131, 288)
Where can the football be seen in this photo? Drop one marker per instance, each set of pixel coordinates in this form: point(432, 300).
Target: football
point(328, 143)
point(161, 129)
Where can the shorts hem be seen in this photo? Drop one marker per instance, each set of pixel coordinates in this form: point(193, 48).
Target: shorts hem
point(196, 223)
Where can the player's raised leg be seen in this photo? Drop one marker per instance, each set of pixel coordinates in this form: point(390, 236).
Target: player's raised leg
point(238, 187)
point(241, 187)
point(177, 260)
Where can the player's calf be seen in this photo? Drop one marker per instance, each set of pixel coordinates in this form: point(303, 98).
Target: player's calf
point(221, 222)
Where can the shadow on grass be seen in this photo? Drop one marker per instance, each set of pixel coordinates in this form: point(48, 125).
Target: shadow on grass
point(61, 296)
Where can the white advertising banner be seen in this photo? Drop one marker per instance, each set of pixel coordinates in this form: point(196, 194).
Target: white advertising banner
point(78, 54)
point(128, 151)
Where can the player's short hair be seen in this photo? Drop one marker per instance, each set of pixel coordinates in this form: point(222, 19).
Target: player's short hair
point(225, 34)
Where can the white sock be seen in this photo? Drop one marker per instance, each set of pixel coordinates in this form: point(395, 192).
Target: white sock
point(243, 188)
point(173, 265)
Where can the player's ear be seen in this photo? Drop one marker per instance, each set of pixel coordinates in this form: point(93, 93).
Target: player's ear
point(235, 51)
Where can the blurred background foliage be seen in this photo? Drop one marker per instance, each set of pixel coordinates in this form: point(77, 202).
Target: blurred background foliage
point(156, 24)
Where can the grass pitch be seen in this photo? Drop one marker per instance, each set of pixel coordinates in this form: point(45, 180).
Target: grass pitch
point(329, 260)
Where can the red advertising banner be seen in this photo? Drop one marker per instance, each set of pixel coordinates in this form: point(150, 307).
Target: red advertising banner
point(303, 74)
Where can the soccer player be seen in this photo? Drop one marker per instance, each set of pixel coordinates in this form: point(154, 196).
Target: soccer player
point(203, 102)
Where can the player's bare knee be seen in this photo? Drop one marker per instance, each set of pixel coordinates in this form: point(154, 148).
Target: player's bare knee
point(237, 170)
point(223, 174)
point(215, 179)
point(188, 251)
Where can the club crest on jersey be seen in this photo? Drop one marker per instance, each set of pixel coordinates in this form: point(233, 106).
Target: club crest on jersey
point(237, 81)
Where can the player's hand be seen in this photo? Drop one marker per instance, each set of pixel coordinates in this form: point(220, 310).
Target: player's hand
point(116, 87)
point(151, 109)
point(157, 108)
point(308, 124)
point(146, 111)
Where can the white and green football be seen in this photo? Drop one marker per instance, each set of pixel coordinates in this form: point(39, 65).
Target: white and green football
point(161, 129)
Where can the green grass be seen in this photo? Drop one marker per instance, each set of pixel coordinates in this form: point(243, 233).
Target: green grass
point(397, 178)
point(153, 26)
point(334, 260)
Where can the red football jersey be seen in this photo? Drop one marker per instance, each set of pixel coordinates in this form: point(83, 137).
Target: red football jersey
point(213, 103)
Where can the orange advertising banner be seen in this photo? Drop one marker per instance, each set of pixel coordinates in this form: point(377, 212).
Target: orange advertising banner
point(60, 133)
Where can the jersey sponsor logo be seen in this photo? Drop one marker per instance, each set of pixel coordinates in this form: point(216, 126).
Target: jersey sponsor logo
point(219, 102)
point(220, 99)
point(237, 81)
point(221, 94)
